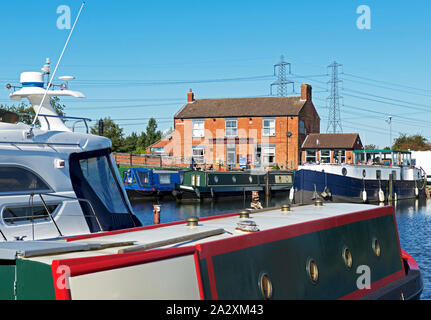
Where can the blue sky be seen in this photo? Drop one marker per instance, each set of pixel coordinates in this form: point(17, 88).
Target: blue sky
point(126, 54)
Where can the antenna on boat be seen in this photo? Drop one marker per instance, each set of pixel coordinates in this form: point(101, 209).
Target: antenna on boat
point(47, 71)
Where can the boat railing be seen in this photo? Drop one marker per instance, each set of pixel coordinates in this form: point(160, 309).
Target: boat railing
point(70, 198)
point(77, 119)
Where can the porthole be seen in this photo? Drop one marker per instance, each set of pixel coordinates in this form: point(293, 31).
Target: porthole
point(376, 247)
point(265, 286)
point(347, 257)
point(234, 179)
point(364, 173)
point(344, 171)
point(216, 179)
point(312, 270)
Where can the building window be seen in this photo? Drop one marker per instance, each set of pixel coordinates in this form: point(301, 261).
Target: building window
point(302, 127)
point(325, 156)
point(231, 128)
point(230, 155)
point(311, 156)
point(198, 154)
point(268, 155)
point(340, 156)
point(268, 127)
point(198, 128)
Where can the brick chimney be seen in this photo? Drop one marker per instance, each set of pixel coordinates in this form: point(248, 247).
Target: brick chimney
point(305, 92)
point(190, 96)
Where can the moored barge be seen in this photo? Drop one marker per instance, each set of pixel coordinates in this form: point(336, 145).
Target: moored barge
point(378, 176)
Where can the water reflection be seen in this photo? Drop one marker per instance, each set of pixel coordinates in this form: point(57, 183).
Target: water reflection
point(413, 220)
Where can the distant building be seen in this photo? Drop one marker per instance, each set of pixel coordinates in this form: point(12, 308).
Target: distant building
point(237, 132)
point(330, 147)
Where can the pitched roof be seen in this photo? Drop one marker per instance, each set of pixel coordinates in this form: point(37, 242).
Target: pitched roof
point(241, 107)
point(332, 141)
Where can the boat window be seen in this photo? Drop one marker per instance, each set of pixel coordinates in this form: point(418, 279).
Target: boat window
point(164, 178)
point(27, 214)
point(378, 174)
point(19, 180)
point(98, 174)
point(143, 177)
point(394, 175)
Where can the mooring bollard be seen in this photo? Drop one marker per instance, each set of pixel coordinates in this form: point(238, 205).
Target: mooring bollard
point(156, 211)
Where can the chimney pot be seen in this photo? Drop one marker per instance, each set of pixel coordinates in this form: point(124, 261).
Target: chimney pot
point(190, 96)
point(306, 92)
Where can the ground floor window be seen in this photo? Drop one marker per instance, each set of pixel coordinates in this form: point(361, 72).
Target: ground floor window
point(231, 155)
point(198, 154)
point(268, 155)
point(340, 156)
point(310, 156)
point(325, 156)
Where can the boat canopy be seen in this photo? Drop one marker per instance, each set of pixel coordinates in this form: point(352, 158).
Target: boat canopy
point(382, 157)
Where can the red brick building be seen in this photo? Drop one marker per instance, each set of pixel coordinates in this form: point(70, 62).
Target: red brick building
point(330, 147)
point(237, 132)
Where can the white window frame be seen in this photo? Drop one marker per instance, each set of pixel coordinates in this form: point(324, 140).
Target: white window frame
point(309, 157)
point(198, 128)
point(231, 131)
point(268, 131)
point(343, 155)
point(230, 149)
point(266, 153)
point(327, 157)
point(198, 159)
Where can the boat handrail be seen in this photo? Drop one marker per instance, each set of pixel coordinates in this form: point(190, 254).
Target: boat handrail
point(78, 119)
point(73, 198)
point(41, 142)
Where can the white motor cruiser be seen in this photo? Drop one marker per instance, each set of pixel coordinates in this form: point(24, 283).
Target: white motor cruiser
point(54, 181)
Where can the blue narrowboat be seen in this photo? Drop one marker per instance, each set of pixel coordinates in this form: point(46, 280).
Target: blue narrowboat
point(142, 182)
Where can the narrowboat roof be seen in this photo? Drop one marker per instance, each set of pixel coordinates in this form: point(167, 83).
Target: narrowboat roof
point(219, 227)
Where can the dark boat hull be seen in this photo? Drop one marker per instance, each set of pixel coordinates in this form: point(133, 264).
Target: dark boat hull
point(347, 189)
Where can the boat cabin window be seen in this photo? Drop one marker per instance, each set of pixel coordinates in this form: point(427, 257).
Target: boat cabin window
point(394, 175)
point(143, 177)
point(164, 178)
point(15, 215)
point(378, 174)
point(19, 180)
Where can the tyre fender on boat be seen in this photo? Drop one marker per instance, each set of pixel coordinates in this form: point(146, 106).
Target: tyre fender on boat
point(364, 195)
point(381, 195)
point(291, 193)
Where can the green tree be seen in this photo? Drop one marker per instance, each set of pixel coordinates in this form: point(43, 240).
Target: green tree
point(415, 142)
point(370, 147)
point(112, 131)
point(129, 143)
point(148, 137)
